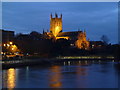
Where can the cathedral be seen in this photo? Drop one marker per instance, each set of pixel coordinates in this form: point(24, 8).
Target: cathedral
point(77, 38)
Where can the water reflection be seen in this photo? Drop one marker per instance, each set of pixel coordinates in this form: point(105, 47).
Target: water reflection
point(72, 74)
point(83, 63)
point(11, 78)
point(82, 72)
point(55, 77)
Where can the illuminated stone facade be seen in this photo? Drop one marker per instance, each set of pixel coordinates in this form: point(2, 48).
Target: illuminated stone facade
point(55, 25)
point(78, 38)
point(82, 43)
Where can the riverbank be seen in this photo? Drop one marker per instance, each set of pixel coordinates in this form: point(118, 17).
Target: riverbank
point(49, 61)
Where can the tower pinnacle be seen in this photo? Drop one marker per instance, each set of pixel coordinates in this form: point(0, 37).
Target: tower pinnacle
point(61, 16)
point(51, 15)
point(56, 15)
point(56, 25)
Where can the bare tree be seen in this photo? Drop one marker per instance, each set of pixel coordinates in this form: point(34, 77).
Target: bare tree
point(105, 39)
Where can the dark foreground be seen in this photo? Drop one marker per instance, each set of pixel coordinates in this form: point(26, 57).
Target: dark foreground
point(67, 74)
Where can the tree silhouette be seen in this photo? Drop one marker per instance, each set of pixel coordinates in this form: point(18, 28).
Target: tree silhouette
point(105, 39)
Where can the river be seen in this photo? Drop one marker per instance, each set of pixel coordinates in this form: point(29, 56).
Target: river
point(74, 74)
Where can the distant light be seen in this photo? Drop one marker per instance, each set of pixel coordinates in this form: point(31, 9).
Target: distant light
point(8, 45)
point(4, 45)
point(11, 43)
point(71, 44)
point(64, 63)
point(12, 48)
point(68, 62)
point(86, 62)
point(2, 53)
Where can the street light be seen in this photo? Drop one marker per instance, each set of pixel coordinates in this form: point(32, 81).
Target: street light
point(8, 45)
point(11, 43)
point(12, 48)
point(4, 45)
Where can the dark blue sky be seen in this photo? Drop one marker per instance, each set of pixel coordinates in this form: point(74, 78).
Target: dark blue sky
point(97, 18)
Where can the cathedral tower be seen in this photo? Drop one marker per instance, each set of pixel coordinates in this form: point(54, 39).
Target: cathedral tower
point(55, 24)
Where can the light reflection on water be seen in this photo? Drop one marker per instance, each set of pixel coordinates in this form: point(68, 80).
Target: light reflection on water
point(10, 78)
point(55, 77)
point(71, 74)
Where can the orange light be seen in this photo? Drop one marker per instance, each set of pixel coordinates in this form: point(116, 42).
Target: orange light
point(56, 31)
point(8, 45)
point(62, 37)
point(11, 43)
point(2, 53)
point(4, 45)
point(11, 78)
point(12, 48)
point(55, 77)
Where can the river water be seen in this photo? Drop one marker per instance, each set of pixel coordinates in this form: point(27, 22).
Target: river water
point(77, 74)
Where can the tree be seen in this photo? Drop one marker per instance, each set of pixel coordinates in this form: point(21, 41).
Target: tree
point(34, 33)
point(105, 39)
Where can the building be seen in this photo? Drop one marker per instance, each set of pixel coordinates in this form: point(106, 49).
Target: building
point(7, 36)
point(97, 44)
point(77, 38)
point(55, 25)
point(82, 42)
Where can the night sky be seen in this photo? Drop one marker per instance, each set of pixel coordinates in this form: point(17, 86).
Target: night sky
point(97, 18)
